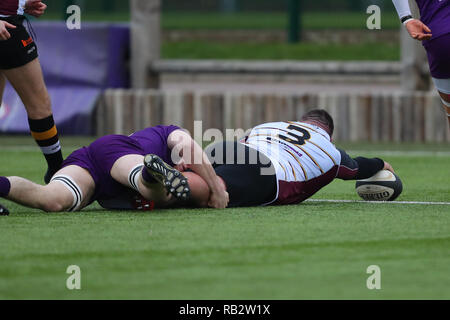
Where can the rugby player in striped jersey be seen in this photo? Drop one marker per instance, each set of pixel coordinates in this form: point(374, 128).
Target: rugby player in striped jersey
point(285, 162)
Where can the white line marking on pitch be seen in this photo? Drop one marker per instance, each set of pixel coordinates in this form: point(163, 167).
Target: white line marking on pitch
point(356, 152)
point(403, 153)
point(30, 148)
point(379, 202)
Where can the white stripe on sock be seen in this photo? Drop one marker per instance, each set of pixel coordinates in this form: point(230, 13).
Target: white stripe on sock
point(51, 149)
point(134, 176)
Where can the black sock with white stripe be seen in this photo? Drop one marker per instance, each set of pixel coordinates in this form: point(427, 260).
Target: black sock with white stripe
point(46, 135)
point(134, 176)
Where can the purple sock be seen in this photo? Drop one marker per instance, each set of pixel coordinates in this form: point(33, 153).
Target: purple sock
point(5, 187)
point(147, 177)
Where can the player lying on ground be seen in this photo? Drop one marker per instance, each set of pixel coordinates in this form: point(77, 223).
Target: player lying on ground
point(114, 167)
point(284, 163)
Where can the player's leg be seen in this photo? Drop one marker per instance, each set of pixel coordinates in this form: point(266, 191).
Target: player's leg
point(169, 177)
point(28, 82)
point(128, 170)
point(3, 210)
point(438, 52)
point(2, 87)
point(446, 103)
point(70, 190)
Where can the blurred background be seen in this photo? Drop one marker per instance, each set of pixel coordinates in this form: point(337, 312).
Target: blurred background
point(232, 64)
point(258, 29)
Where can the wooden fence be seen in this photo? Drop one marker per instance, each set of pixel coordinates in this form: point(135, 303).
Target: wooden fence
point(390, 117)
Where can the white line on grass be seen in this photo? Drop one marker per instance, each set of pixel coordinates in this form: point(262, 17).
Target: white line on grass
point(403, 153)
point(31, 148)
point(356, 152)
point(362, 152)
point(379, 202)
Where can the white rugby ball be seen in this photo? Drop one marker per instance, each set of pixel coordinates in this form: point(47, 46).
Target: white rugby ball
point(384, 186)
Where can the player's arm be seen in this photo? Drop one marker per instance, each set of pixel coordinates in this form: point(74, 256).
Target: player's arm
point(35, 8)
point(416, 28)
point(360, 167)
point(195, 159)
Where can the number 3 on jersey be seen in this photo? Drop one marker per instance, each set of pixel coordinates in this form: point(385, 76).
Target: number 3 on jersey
point(295, 138)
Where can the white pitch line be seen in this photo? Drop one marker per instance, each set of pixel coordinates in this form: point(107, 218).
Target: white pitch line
point(356, 152)
point(30, 148)
point(379, 202)
point(403, 153)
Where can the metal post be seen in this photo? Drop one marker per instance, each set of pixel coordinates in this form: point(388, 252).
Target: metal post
point(229, 6)
point(294, 28)
point(355, 5)
point(66, 4)
point(108, 5)
point(145, 42)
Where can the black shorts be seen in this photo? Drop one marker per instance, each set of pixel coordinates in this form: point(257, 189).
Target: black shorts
point(18, 50)
point(249, 175)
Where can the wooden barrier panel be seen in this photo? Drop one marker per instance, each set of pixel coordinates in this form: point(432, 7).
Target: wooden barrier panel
point(388, 117)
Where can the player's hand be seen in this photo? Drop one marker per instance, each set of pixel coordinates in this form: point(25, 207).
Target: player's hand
point(388, 167)
point(4, 26)
point(35, 8)
point(181, 166)
point(418, 30)
point(219, 200)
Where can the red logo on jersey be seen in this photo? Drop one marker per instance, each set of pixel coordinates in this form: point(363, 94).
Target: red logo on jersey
point(27, 42)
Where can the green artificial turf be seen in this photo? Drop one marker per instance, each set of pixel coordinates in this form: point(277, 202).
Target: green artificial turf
point(309, 251)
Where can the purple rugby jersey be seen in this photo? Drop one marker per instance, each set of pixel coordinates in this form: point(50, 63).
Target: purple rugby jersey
point(436, 15)
point(99, 157)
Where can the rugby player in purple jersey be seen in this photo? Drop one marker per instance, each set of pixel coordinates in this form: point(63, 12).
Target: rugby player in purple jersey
point(433, 29)
point(120, 172)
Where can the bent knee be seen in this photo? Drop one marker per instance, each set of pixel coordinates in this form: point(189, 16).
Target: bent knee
point(55, 204)
point(56, 199)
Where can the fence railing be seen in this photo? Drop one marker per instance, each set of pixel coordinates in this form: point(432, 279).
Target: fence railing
point(393, 117)
point(369, 68)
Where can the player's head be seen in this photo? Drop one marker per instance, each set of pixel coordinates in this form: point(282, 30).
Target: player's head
point(320, 118)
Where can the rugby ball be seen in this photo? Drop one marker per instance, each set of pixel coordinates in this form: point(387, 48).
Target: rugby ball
point(384, 186)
